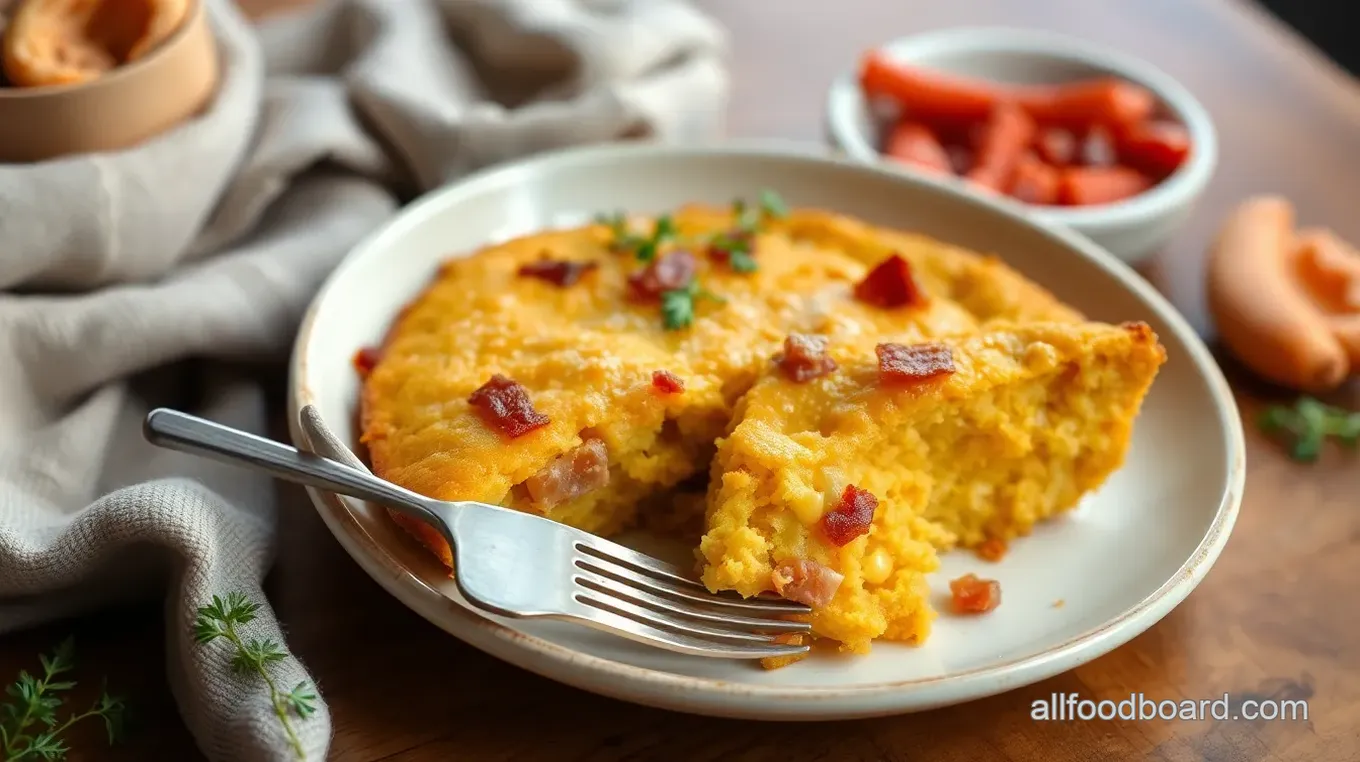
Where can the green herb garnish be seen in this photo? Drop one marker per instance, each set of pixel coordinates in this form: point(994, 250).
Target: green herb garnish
point(677, 305)
point(645, 248)
point(220, 619)
point(662, 231)
point(1308, 424)
point(677, 309)
point(741, 261)
point(736, 244)
point(34, 702)
point(771, 205)
point(617, 222)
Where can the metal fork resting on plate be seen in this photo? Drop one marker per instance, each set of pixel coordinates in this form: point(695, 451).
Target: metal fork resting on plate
point(516, 564)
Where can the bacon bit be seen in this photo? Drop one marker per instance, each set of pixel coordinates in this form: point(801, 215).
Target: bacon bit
point(570, 475)
point(806, 582)
point(667, 382)
point(890, 285)
point(916, 364)
point(365, 360)
point(804, 358)
point(665, 273)
point(505, 405)
point(786, 639)
point(556, 271)
point(851, 517)
point(992, 549)
point(972, 595)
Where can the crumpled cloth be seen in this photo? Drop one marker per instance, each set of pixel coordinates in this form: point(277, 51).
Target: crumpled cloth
point(175, 273)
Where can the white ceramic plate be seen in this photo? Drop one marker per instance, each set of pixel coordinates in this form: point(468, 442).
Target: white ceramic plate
point(1119, 563)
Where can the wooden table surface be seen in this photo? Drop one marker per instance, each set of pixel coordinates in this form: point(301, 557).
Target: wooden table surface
point(1271, 620)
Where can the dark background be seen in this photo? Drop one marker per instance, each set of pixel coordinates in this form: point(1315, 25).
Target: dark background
point(1327, 23)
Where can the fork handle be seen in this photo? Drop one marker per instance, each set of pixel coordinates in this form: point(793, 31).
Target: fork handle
point(175, 430)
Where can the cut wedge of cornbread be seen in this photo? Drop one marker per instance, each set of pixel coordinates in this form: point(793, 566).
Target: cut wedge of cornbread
point(531, 375)
point(839, 490)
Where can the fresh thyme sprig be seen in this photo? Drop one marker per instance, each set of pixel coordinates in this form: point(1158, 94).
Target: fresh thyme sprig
point(1308, 424)
point(34, 702)
point(220, 619)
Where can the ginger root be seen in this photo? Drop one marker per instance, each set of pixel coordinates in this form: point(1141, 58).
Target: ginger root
point(63, 42)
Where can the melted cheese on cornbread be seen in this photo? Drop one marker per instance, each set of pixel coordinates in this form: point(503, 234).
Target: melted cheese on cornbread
point(586, 354)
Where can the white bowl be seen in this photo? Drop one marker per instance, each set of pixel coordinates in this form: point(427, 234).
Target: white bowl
point(1132, 229)
point(1120, 562)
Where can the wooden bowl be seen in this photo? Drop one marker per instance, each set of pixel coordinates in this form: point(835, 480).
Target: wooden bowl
point(120, 109)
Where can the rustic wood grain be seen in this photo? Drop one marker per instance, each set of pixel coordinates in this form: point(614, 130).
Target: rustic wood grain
point(1273, 618)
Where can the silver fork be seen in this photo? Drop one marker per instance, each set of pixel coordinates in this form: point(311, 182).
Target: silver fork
point(520, 565)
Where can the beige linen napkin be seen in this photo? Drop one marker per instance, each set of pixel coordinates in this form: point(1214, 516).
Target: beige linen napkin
point(175, 272)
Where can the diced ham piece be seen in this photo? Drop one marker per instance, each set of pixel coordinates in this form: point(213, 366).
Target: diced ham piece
point(505, 406)
point(556, 271)
point(804, 358)
point(890, 285)
point(366, 359)
point(665, 273)
point(572, 474)
point(916, 364)
point(851, 517)
point(972, 595)
point(806, 582)
point(667, 382)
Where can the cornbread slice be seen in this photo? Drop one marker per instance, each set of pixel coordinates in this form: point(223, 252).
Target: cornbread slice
point(1030, 419)
point(547, 325)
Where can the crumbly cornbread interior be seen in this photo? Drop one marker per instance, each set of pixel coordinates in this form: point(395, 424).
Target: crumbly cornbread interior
point(1033, 418)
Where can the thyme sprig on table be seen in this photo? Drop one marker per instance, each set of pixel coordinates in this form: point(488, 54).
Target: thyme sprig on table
point(29, 726)
point(1306, 426)
point(220, 619)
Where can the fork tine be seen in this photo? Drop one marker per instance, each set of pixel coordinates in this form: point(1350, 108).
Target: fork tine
point(698, 638)
point(603, 616)
point(640, 562)
point(623, 605)
point(603, 581)
point(656, 568)
point(692, 592)
point(612, 551)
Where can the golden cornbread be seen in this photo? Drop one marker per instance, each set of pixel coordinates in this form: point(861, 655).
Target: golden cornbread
point(626, 406)
point(1032, 418)
point(586, 353)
